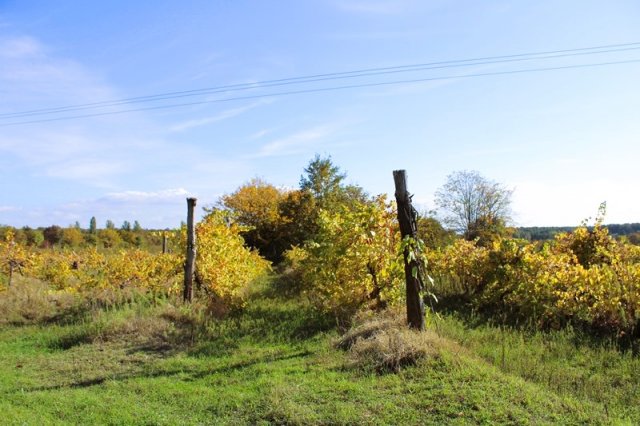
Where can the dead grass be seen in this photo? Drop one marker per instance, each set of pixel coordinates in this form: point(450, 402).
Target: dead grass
point(164, 329)
point(384, 343)
point(30, 301)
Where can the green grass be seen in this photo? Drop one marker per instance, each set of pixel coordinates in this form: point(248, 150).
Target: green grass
point(276, 364)
point(566, 362)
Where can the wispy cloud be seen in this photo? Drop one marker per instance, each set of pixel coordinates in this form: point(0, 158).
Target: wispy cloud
point(431, 80)
point(91, 169)
point(104, 152)
point(224, 115)
point(8, 208)
point(154, 209)
point(297, 142)
point(260, 134)
point(403, 34)
point(161, 196)
point(17, 47)
point(32, 78)
point(29, 75)
point(376, 7)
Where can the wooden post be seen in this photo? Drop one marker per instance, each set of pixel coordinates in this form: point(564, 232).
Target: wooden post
point(164, 242)
point(190, 264)
point(10, 272)
point(408, 227)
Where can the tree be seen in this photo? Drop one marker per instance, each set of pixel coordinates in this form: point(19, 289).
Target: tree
point(32, 237)
point(52, 235)
point(136, 226)
point(71, 237)
point(256, 205)
point(93, 225)
point(432, 233)
point(126, 226)
point(109, 238)
point(474, 206)
point(300, 212)
point(323, 179)
point(109, 224)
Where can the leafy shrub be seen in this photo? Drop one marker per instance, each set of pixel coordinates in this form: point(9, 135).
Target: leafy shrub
point(353, 259)
point(225, 267)
point(584, 277)
point(460, 267)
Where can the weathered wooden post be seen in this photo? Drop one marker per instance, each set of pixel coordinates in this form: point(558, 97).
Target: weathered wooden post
point(190, 264)
point(11, 264)
point(164, 242)
point(408, 227)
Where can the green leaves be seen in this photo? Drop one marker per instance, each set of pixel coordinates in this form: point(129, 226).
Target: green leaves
point(353, 257)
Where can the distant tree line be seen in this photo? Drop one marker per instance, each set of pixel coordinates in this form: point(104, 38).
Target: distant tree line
point(274, 219)
point(74, 236)
point(631, 231)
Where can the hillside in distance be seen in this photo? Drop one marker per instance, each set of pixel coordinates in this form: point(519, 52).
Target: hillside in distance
point(541, 233)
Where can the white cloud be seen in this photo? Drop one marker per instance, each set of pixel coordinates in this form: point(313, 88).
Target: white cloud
point(403, 34)
point(8, 209)
point(165, 195)
point(376, 7)
point(260, 134)
point(568, 203)
point(154, 209)
point(105, 152)
point(94, 170)
point(29, 76)
point(296, 142)
point(224, 115)
point(89, 150)
point(18, 47)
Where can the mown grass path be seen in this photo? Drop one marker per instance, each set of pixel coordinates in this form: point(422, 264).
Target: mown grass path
point(273, 364)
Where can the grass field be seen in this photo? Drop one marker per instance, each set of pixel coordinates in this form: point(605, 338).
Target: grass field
point(277, 363)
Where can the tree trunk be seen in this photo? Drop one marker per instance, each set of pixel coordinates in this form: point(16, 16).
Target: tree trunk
point(408, 227)
point(190, 264)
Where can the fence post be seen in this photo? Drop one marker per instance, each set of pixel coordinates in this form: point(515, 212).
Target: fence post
point(190, 264)
point(408, 227)
point(10, 271)
point(164, 242)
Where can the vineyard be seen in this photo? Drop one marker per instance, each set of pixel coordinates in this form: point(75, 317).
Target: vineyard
point(317, 275)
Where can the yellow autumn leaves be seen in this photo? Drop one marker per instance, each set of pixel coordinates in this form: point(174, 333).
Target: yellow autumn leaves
point(353, 259)
point(585, 277)
point(224, 266)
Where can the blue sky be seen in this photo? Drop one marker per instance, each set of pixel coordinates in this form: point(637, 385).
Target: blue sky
point(564, 140)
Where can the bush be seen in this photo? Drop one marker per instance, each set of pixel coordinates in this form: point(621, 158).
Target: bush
point(584, 277)
point(353, 259)
point(225, 267)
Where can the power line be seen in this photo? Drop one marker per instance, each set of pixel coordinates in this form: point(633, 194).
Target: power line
point(333, 76)
point(325, 89)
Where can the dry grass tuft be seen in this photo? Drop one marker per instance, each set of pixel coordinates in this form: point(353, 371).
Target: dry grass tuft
point(391, 349)
point(384, 343)
point(135, 329)
point(30, 301)
point(366, 325)
point(149, 330)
